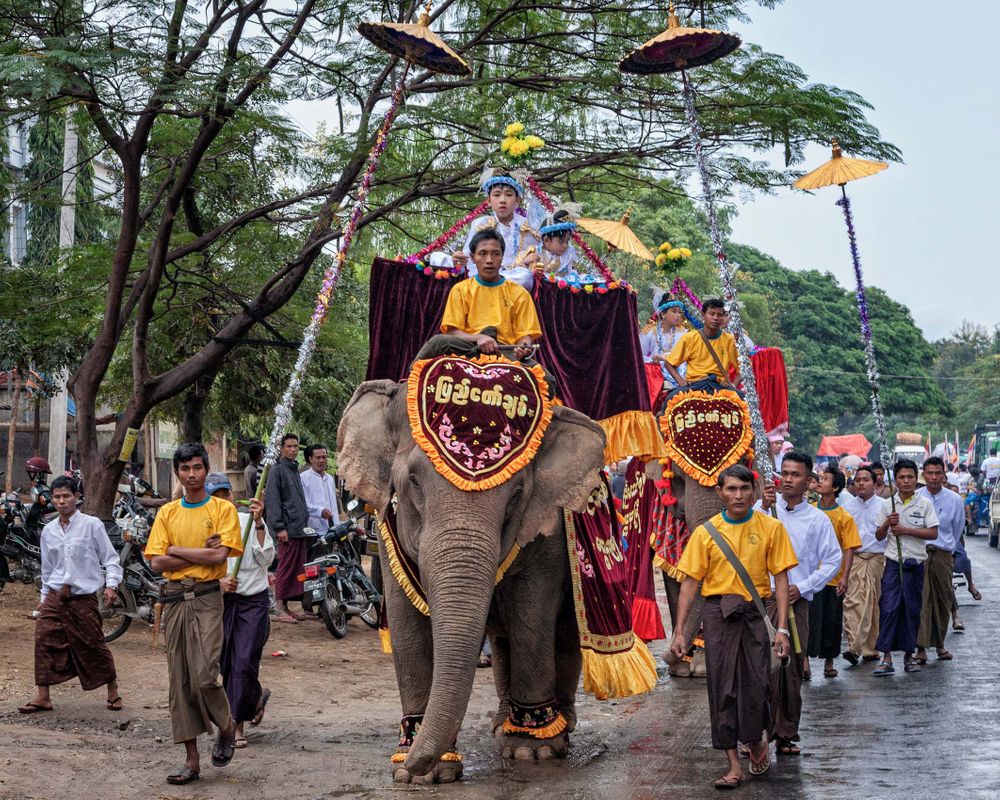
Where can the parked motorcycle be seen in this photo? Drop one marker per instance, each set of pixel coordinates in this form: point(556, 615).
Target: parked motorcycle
point(139, 590)
point(20, 552)
point(335, 581)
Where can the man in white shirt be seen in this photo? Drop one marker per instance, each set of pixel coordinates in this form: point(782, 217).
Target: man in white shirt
point(938, 594)
point(991, 467)
point(818, 551)
point(320, 492)
point(77, 562)
point(962, 480)
point(864, 585)
point(245, 621)
point(906, 525)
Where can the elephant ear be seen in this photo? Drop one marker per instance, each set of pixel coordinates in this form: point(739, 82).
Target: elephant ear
point(565, 472)
point(367, 441)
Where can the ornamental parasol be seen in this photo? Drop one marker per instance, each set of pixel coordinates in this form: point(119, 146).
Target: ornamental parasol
point(617, 234)
point(674, 50)
point(837, 172)
point(416, 44)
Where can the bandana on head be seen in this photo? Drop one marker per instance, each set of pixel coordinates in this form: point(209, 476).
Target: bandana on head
point(478, 420)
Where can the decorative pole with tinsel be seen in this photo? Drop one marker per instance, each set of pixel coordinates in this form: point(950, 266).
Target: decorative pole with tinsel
point(416, 44)
point(675, 50)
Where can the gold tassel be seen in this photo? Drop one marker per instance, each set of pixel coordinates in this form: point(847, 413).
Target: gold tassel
point(554, 728)
point(400, 574)
point(610, 675)
point(383, 635)
point(511, 556)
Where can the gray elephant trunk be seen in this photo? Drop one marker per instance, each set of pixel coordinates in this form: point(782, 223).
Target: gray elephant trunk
point(458, 570)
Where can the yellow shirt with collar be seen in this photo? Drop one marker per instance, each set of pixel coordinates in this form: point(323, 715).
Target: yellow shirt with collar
point(692, 350)
point(183, 525)
point(760, 542)
point(847, 534)
point(474, 305)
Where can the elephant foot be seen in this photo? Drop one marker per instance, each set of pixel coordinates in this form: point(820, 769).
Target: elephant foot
point(519, 747)
point(569, 712)
point(448, 769)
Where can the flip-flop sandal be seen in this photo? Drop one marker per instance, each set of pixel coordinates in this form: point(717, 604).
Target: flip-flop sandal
point(851, 656)
point(918, 660)
point(115, 705)
point(287, 618)
point(298, 616)
point(789, 749)
point(484, 662)
point(261, 705)
point(241, 742)
point(726, 782)
point(807, 676)
point(911, 667)
point(184, 775)
point(958, 627)
point(223, 749)
point(758, 768)
point(33, 708)
point(945, 656)
point(830, 673)
point(976, 595)
point(885, 668)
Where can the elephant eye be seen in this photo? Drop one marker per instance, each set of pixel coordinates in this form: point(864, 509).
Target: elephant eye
point(414, 482)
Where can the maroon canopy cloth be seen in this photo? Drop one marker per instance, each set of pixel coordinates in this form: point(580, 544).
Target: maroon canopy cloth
point(772, 388)
point(590, 342)
point(639, 502)
point(405, 308)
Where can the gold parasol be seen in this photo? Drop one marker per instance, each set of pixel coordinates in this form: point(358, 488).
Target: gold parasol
point(678, 48)
point(416, 43)
point(838, 171)
point(617, 234)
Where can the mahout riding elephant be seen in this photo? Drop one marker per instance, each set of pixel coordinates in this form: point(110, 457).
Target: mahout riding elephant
point(458, 541)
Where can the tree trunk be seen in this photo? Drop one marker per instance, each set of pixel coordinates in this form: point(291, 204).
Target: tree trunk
point(12, 432)
point(193, 421)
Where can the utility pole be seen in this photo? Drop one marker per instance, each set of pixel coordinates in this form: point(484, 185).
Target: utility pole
point(59, 403)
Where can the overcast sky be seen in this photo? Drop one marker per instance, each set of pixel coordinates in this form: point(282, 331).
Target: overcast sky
point(930, 70)
point(921, 225)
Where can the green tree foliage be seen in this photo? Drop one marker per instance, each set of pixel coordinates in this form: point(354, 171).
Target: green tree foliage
point(224, 210)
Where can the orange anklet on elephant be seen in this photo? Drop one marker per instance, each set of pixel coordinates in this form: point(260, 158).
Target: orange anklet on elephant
point(542, 721)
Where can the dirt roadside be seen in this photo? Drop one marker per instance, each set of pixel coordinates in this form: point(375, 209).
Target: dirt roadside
point(329, 730)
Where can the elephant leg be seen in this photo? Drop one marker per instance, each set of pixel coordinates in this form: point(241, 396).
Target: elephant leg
point(528, 607)
point(413, 656)
point(569, 659)
point(501, 679)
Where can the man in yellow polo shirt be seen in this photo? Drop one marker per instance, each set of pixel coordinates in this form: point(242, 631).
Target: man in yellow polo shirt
point(693, 350)
point(189, 543)
point(736, 640)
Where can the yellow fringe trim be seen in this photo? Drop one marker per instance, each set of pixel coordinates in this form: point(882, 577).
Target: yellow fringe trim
point(623, 674)
point(736, 452)
point(517, 463)
point(398, 758)
point(632, 433)
point(383, 635)
point(505, 564)
point(554, 728)
point(399, 573)
point(451, 756)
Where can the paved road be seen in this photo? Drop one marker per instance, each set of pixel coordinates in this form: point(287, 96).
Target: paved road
point(930, 735)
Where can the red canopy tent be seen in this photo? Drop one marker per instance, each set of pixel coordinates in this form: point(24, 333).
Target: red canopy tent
point(854, 444)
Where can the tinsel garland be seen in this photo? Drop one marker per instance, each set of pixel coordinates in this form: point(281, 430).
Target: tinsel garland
point(588, 251)
point(679, 285)
point(283, 410)
point(870, 364)
point(448, 235)
point(762, 454)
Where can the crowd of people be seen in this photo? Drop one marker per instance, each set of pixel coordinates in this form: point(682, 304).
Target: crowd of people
point(783, 579)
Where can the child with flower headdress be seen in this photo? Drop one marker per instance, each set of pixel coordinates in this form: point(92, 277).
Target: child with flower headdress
point(551, 249)
point(661, 334)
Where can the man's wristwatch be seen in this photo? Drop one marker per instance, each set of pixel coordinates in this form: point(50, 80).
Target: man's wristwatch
point(783, 630)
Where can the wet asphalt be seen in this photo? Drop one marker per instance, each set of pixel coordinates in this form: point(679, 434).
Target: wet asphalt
point(935, 734)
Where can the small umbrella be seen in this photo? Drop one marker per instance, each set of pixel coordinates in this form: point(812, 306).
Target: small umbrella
point(679, 47)
point(416, 43)
point(617, 234)
point(839, 170)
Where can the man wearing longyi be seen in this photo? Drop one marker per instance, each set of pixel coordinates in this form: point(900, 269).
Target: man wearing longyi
point(736, 634)
point(189, 543)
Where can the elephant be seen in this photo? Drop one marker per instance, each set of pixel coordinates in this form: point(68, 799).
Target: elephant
point(458, 540)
